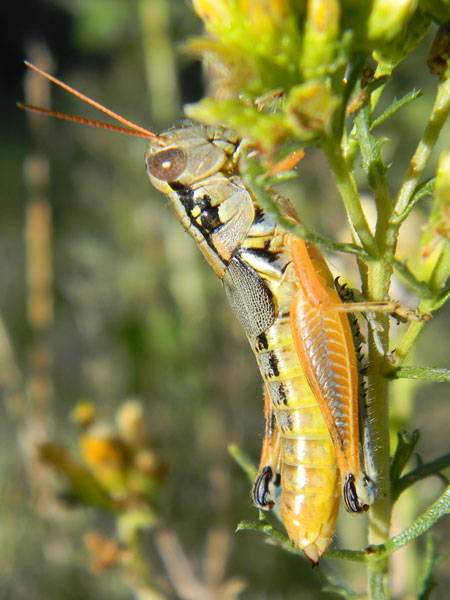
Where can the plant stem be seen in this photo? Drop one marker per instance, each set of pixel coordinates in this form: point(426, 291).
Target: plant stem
point(349, 193)
point(376, 275)
point(378, 279)
point(420, 373)
point(370, 149)
point(421, 288)
point(437, 119)
point(422, 472)
point(409, 339)
point(376, 581)
point(438, 279)
point(437, 510)
point(159, 59)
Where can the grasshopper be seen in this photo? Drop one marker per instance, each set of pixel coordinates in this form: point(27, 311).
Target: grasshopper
point(283, 294)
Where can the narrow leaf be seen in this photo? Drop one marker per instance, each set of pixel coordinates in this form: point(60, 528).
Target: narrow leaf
point(423, 471)
point(335, 585)
point(406, 444)
point(246, 464)
point(395, 106)
point(427, 584)
point(426, 188)
point(437, 510)
point(82, 483)
point(264, 527)
point(422, 289)
point(441, 299)
point(421, 373)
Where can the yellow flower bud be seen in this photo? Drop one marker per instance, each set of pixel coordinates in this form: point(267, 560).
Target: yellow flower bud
point(130, 421)
point(215, 14)
point(320, 35)
point(84, 414)
point(389, 17)
point(264, 16)
point(107, 458)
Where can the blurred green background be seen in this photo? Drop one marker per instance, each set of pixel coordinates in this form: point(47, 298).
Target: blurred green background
point(122, 305)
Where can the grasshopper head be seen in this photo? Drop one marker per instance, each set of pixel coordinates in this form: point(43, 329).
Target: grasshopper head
point(190, 155)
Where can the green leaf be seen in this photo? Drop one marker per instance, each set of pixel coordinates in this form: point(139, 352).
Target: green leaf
point(422, 472)
point(264, 527)
point(421, 373)
point(422, 524)
point(427, 584)
point(372, 160)
point(82, 483)
point(441, 299)
point(335, 585)
point(422, 289)
point(253, 174)
point(426, 188)
point(396, 106)
point(246, 464)
point(406, 444)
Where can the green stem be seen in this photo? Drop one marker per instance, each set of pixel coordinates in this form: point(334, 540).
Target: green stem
point(438, 278)
point(373, 164)
point(418, 162)
point(441, 273)
point(437, 119)
point(420, 373)
point(246, 464)
point(350, 555)
point(422, 289)
point(409, 339)
point(434, 467)
point(252, 175)
point(378, 279)
point(377, 588)
point(437, 510)
point(347, 188)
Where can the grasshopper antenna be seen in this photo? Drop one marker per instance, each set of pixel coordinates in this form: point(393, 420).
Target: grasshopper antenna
point(130, 129)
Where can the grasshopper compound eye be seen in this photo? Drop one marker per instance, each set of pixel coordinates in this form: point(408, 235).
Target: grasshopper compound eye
point(167, 165)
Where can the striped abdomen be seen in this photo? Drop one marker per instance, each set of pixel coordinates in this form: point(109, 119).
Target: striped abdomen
point(307, 466)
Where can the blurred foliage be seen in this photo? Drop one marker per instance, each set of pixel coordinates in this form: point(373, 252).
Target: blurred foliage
point(129, 309)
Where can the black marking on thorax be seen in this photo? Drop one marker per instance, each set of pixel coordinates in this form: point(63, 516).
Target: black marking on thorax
point(265, 252)
point(260, 215)
point(208, 220)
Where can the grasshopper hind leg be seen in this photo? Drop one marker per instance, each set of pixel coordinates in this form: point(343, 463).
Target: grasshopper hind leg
point(266, 488)
point(360, 492)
